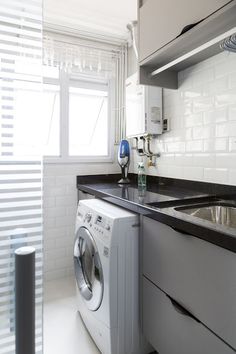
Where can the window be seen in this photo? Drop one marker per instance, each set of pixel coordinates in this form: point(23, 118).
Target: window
point(79, 124)
point(91, 78)
point(88, 122)
point(37, 113)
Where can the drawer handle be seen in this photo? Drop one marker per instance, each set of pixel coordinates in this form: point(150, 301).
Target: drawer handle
point(180, 231)
point(180, 309)
point(188, 27)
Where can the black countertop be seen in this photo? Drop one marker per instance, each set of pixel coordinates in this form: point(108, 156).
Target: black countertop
point(167, 193)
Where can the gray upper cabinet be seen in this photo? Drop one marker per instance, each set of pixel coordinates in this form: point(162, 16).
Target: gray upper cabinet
point(162, 21)
point(167, 46)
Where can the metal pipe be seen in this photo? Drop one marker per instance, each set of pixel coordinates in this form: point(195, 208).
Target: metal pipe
point(25, 300)
point(140, 152)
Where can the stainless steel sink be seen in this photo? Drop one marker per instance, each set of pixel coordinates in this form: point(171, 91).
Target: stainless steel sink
point(219, 213)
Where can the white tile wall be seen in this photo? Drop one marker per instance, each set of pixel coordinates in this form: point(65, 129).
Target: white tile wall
point(60, 200)
point(202, 142)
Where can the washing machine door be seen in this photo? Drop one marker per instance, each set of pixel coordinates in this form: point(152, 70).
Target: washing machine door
point(88, 269)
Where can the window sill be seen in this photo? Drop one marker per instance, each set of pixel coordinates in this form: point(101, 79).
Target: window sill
point(77, 160)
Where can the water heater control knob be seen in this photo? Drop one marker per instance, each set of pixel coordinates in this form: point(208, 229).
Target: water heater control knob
point(88, 217)
point(108, 227)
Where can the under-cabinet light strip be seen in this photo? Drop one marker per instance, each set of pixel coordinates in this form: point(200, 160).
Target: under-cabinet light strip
point(193, 52)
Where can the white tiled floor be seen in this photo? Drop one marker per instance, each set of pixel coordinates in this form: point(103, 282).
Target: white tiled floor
point(64, 332)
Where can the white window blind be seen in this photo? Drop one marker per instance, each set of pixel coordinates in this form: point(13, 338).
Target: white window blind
point(20, 177)
point(91, 59)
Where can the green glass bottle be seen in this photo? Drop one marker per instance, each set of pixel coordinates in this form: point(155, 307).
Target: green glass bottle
point(142, 180)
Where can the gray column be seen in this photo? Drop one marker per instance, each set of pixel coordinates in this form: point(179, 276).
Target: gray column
point(25, 300)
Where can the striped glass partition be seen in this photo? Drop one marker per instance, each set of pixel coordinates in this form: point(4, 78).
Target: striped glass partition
point(20, 176)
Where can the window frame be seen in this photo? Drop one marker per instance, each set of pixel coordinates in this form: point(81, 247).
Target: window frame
point(64, 82)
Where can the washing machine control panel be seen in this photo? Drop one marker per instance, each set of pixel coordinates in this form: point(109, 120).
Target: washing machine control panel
point(102, 222)
point(88, 217)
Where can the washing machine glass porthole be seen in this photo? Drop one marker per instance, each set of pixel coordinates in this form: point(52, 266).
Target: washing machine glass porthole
point(88, 269)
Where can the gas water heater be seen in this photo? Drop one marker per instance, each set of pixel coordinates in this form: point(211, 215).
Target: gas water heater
point(143, 108)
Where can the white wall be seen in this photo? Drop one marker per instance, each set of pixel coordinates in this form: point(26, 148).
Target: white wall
point(202, 142)
point(59, 209)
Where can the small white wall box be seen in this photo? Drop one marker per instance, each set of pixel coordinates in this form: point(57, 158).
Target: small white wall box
point(143, 108)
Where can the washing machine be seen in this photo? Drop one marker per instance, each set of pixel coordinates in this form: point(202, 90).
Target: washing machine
point(107, 276)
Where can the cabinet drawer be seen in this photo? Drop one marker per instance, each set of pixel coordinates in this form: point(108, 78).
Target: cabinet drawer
point(199, 275)
point(170, 331)
point(162, 21)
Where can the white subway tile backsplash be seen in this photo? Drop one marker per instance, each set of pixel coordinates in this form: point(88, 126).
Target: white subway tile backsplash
point(224, 64)
point(232, 176)
point(194, 120)
point(59, 209)
point(63, 242)
point(203, 76)
point(232, 128)
point(225, 98)
point(216, 86)
point(174, 170)
point(64, 220)
point(55, 232)
point(209, 145)
point(222, 130)
point(177, 146)
point(48, 222)
point(225, 160)
point(49, 202)
point(49, 264)
point(217, 175)
point(203, 104)
point(202, 142)
point(193, 173)
point(55, 212)
point(203, 132)
point(194, 145)
point(189, 134)
point(65, 180)
point(55, 274)
point(232, 144)
point(203, 160)
point(216, 116)
point(66, 200)
point(221, 144)
point(232, 112)
point(64, 262)
point(54, 253)
point(53, 191)
point(49, 181)
point(49, 243)
point(232, 80)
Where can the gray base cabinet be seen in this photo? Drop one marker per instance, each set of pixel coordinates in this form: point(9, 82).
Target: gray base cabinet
point(198, 275)
point(171, 331)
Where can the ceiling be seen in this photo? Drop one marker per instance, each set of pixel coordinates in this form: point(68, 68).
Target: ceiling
point(106, 17)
